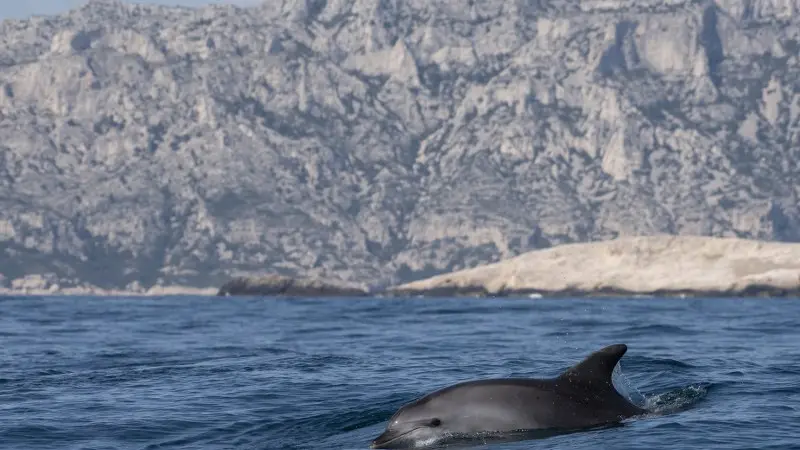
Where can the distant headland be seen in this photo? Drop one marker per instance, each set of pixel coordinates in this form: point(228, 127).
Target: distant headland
point(654, 265)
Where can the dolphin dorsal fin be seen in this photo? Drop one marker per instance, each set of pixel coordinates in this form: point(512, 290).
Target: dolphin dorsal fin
point(596, 368)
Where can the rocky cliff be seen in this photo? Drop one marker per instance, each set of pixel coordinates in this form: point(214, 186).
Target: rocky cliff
point(385, 141)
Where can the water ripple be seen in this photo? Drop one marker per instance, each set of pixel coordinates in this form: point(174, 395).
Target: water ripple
point(210, 373)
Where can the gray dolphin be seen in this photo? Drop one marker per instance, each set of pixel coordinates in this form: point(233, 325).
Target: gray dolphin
point(581, 397)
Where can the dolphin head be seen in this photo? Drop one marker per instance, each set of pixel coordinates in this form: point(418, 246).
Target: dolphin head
point(413, 425)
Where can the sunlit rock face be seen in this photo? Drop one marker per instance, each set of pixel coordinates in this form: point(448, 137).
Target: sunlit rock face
point(384, 141)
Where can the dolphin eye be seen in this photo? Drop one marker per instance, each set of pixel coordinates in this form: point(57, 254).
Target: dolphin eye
point(435, 422)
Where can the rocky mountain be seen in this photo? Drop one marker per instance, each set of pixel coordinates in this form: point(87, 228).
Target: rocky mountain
point(384, 140)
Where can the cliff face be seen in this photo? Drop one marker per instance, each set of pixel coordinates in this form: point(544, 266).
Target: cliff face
point(387, 141)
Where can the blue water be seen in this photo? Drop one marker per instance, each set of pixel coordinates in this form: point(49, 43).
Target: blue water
point(266, 373)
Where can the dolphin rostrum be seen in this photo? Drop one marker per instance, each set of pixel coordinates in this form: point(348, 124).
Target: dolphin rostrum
point(581, 397)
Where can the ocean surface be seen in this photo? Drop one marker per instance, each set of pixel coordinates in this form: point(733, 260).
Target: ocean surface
point(271, 373)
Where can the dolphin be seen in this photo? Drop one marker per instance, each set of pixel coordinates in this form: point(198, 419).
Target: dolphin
point(581, 397)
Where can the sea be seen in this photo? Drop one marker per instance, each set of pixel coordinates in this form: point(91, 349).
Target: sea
point(187, 372)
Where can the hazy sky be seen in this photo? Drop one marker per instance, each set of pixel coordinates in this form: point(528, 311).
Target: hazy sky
point(25, 8)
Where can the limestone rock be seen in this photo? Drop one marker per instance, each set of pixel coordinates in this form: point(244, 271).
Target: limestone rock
point(655, 265)
point(381, 141)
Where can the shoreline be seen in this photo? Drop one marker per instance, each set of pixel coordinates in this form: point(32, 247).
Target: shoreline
point(165, 291)
point(657, 266)
point(576, 294)
point(565, 295)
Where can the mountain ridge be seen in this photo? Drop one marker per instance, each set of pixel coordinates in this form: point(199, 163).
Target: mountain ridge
point(386, 141)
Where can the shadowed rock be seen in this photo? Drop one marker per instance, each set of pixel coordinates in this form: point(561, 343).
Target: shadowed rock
point(289, 286)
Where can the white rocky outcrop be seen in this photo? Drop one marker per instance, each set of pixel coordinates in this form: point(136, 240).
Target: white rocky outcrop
point(654, 265)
